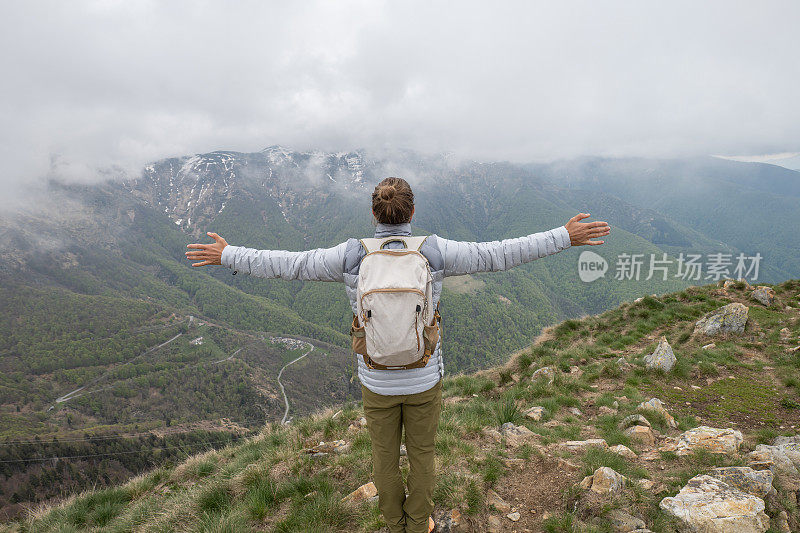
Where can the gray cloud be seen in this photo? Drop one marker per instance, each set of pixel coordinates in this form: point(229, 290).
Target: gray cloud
point(117, 83)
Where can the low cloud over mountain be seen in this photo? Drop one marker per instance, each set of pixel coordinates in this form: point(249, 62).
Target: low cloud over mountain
point(115, 85)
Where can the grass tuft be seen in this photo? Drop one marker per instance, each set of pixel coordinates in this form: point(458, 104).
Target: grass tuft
point(506, 410)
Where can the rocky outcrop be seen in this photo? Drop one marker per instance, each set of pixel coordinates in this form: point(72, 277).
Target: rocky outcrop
point(662, 358)
point(755, 482)
point(493, 499)
point(364, 492)
point(583, 445)
point(357, 425)
point(711, 439)
point(633, 420)
point(730, 318)
point(781, 457)
point(623, 365)
point(509, 429)
point(546, 372)
point(764, 295)
point(641, 434)
point(324, 448)
point(657, 406)
point(513, 434)
point(624, 451)
point(448, 521)
point(740, 284)
point(710, 505)
point(604, 481)
point(623, 522)
point(535, 413)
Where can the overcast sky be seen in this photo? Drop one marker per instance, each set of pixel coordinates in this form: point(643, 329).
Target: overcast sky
point(93, 84)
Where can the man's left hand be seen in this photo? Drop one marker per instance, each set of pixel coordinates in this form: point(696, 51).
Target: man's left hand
point(581, 233)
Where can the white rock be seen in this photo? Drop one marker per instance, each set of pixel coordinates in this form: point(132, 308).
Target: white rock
point(535, 413)
point(755, 482)
point(633, 420)
point(580, 445)
point(494, 499)
point(730, 318)
point(642, 434)
point(604, 481)
point(712, 439)
point(764, 295)
point(662, 357)
point(515, 435)
point(364, 492)
point(783, 456)
point(709, 505)
point(624, 451)
point(656, 405)
point(544, 372)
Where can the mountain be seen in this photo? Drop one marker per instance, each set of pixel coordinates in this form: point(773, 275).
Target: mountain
point(578, 432)
point(100, 307)
point(742, 205)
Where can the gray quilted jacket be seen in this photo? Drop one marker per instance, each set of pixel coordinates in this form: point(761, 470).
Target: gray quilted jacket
point(446, 258)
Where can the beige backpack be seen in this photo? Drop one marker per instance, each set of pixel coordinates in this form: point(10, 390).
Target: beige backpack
point(396, 326)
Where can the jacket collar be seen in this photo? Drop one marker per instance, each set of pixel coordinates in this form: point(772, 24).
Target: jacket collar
point(386, 230)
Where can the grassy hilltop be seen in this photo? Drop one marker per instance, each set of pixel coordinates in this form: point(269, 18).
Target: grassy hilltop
point(501, 478)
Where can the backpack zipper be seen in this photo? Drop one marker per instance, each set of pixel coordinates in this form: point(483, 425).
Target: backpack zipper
point(416, 326)
point(389, 290)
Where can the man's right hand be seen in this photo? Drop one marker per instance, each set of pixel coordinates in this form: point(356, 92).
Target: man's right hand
point(207, 254)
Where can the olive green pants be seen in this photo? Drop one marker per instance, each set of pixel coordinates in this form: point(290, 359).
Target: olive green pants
point(386, 416)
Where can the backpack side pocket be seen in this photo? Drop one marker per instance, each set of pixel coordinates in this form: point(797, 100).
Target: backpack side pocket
point(430, 334)
point(359, 337)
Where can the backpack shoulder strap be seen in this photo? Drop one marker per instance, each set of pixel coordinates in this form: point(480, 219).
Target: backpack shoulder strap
point(370, 245)
point(415, 243)
point(410, 243)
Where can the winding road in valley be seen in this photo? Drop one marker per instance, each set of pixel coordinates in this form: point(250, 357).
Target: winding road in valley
point(83, 390)
point(74, 394)
point(283, 391)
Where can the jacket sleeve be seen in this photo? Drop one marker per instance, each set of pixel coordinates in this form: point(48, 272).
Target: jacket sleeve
point(322, 264)
point(470, 257)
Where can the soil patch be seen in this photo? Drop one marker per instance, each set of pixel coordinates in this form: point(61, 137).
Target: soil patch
point(536, 491)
